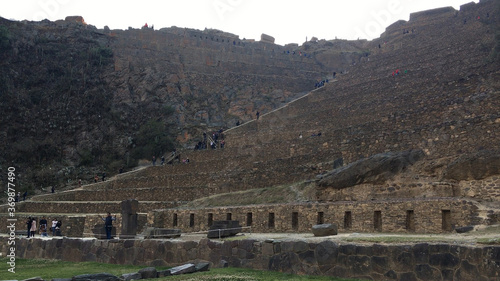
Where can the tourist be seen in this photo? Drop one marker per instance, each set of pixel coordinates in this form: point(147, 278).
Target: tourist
point(33, 227)
point(108, 224)
point(258, 114)
point(53, 227)
point(28, 224)
point(96, 178)
point(58, 228)
point(154, 160)
point(103, 176)
point(43, 227)
point(25, 194)
point(162, 160)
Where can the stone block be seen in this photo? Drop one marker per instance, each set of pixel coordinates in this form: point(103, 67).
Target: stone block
point(95, 277)
point(164, 273)
point(131, 276)
point(153, 232)
point(223, 264)
point(221, 229)
point(202, 266)
point(326, 254)
point(148, 272)
point(445, 260)
point(426, 272)
point(129, 218)
point(183, 269)
point(464, 229)
point(326, 229)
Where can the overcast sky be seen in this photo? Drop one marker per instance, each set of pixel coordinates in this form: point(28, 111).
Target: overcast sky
point(286, 20)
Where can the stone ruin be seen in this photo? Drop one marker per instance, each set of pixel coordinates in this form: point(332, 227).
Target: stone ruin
point(77, 19)
point(419, 154)
point(266, 38)
point(397, 152)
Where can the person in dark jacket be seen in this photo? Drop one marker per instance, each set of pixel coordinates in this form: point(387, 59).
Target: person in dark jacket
point(108, 224)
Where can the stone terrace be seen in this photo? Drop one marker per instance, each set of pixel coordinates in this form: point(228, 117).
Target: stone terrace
point(445, 104)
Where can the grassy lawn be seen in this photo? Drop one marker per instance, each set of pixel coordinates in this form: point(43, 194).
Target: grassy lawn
point(48, 269)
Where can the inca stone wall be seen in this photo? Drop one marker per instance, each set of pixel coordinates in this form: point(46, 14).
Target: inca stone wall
point(421, 216)
point(422, 262)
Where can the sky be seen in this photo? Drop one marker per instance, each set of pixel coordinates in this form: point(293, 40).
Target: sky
point(287, 21)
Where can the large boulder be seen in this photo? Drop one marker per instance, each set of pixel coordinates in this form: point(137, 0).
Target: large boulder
point(376, 169)
point(474, 166)
point(148, 273)
point(325, 229)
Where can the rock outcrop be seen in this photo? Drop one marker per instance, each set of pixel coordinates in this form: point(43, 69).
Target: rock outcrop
point(475, 166)
point(376, 169)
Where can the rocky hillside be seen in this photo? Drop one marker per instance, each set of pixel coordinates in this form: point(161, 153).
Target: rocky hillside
point(78, 101)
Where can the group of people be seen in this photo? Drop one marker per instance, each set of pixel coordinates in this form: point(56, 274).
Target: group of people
point(17, 198)
point(96, 178)
point(300, 54)
point(31, 224)
point(321, 83)
point(397, 73)
point(217, 140)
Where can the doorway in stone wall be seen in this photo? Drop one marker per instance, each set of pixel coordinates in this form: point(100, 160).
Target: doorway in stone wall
point(377, 221)
point(446, 220)
point(191, 220)
point(295, 220)
point(210, 219)
point(410, 221)
point(347, 220)
point(270, 223)
point(321, 218)
point(174, 220)
point(249, 219)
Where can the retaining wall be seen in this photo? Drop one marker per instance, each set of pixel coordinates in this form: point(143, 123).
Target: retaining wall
point(423, 261)
point(420, 216)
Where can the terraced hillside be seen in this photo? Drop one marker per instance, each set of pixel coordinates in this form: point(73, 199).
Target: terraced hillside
point(443, 104)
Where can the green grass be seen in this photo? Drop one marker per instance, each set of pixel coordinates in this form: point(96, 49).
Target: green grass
point(489, 241)
point(48, 269)
point(241, 274)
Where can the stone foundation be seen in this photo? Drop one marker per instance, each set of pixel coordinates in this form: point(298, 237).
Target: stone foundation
point(373, 262)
